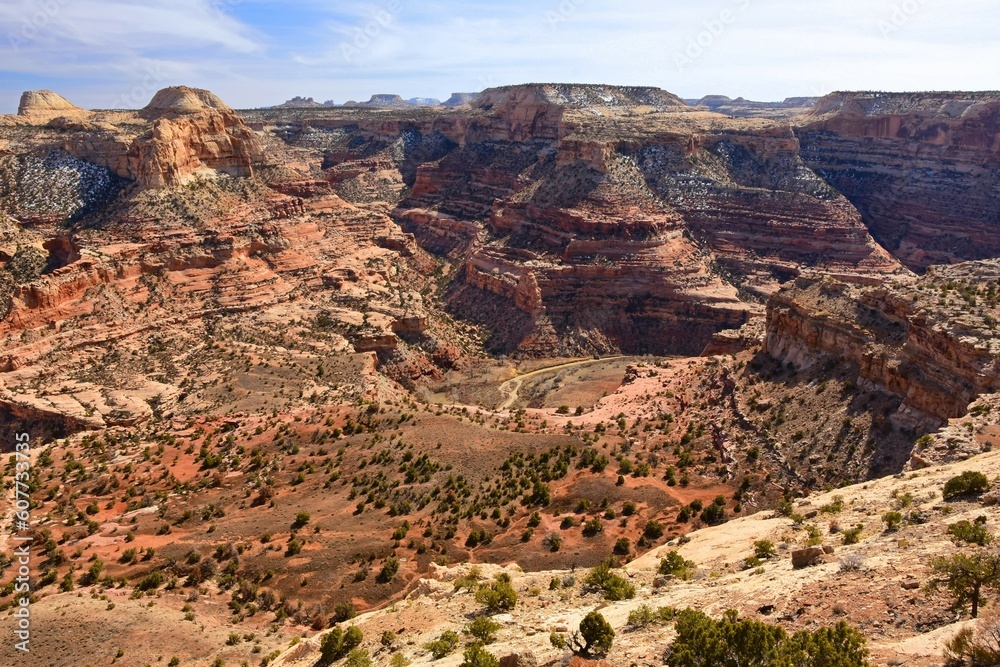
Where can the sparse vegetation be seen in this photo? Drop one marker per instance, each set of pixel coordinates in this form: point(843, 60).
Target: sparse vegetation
point(596, 634)
point(969, 483)
point(484, 629)
point(443, 645)
point(967, 577)
point(613, 586)
point(477, 656)
point(733, 641)
point(674, 564)
point(498, 596)
point(338, 643)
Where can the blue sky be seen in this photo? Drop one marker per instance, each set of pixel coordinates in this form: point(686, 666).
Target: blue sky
point(116, 53)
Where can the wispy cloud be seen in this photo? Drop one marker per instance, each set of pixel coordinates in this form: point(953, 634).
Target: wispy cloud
point(255, 52)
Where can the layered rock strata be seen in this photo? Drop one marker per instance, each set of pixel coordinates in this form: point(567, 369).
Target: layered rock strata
point(932, 341)
point(923, 169)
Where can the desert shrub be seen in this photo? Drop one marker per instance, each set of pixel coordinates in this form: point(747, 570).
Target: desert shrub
point(343, 611)
point(892, 520)
point(358, 658)
point(968, 483)
point(471, 580)
point(338, 643)
point(301, 519)
point(598, 635)
point(484, 629)
point(645, 616)
point(150, 582)
point(674, 564)
point(852, 563)
point(443, 645)
point(477, 656)
point(389, 569)
point(852, 535)
point(653, 530)
point(294, 547)
point(715, 513)
point(593, 527)
point(702, 641)
point(497, 597)
point(92, 575)
point(973, 533)
point(785, 508)
point(552, 541)
point(401, 531)
point(611, 585)
point(623, 547)
point(967, 577)
point(399, 660)
point(764, 549)
point(835, 507)
point(979, 646)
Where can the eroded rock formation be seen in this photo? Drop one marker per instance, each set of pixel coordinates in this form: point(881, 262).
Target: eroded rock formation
point(46, 104)
point(923, 169)
point(932, 341)
point(598, 218)
point(182, 133)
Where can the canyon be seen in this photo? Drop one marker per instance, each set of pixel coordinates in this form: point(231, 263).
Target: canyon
point(316, 341)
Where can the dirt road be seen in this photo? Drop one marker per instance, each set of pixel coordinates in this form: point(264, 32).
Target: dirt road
point(511, 387)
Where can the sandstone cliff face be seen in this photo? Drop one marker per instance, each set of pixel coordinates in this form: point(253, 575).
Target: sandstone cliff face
point(599, 218)
point(176, 149)
point(922, 169)
point(932, 341)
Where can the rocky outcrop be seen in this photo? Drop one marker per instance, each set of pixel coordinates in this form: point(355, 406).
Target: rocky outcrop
point(193, 132)
point(922, 169)
point(182, 133)
point(931, 341)
point(181, 100)
point(537, 110)
point(46, 104)
point(298, 103)
point(382, 102)
point(741, 107)
point(459, 99)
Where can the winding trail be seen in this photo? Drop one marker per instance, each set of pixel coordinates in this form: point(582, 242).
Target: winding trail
point(512, 386)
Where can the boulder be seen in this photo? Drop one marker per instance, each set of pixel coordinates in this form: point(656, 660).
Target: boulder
point(519, 660)
point(807, 557)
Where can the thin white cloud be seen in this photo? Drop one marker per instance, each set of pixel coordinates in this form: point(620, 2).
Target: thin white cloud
point(766, 49)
